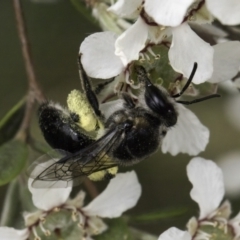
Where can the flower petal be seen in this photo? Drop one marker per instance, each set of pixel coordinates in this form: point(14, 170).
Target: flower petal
point(111, 107)
point(95, 226)
point(230, 165)
point(201, 16)
point(188, 136)
point(167, 13)
point(131, 42)
point(226, 11)
point(225, 210)
point(175, 234)
point(235, 223)
point(121, 194)
point(229, 86)
point(98, 58)
point(207, 180)
point(157, 35)
point(104, 91)
point(51, 195)
point(126, 8)
point(7, 233)
point(226, 61)
point(187, 48)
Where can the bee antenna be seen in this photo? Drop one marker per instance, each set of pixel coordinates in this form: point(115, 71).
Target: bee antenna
point(195, 65)
point(199, 99)
point(142, 75)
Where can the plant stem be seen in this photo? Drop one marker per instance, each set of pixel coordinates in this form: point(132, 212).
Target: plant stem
point(91, 188)
point(34, 91)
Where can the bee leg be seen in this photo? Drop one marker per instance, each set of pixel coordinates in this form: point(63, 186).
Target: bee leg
point(129, 103)
point(100, 87)
point(81, 111)
point(86, 85)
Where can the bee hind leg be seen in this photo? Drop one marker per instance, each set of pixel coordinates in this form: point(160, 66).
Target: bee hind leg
point(86, 85)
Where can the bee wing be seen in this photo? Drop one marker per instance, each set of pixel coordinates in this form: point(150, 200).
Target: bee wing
point(47, 167)
point(62, 167)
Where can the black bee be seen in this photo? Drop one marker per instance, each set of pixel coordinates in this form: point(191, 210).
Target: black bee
point(93, 145)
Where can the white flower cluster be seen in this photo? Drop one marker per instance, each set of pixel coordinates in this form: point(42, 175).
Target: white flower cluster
point(140, 26)
point(121, 194)
point(208, 191)
point(155, 22)
point(109, 55)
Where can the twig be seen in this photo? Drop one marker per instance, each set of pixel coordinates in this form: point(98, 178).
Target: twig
point(34, 91)
point(92, 190)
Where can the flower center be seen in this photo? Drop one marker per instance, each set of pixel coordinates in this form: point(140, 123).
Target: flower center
point(217, 229)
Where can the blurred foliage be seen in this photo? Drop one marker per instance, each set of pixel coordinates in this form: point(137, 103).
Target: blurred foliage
point(13, 158)
point(158, 215)
point(81, 7)
point(11, 122)
point(11, 205)
point(117, 230)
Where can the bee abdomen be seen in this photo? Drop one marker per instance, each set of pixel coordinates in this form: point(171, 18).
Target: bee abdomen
point(59, 130)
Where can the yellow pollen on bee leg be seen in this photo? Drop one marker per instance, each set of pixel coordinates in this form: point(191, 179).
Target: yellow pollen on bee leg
point(77, 103)
point(113, 170)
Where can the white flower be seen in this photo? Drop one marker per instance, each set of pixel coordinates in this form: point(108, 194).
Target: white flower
point(175, 234)
point(188, 127)
point(121, 194)
point(48, 198)
point(7, 233)
point(186, 47)
point(208, 188)
point(225, 70)
point(208, 191)
point(226, 11)
point(172, 13)
point(98, 58)
point(188, 136)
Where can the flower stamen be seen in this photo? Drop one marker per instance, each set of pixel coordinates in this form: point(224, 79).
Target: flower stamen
point(34, 231)
point(45, 231)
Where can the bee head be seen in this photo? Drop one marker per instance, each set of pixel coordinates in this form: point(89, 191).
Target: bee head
point(157, 99)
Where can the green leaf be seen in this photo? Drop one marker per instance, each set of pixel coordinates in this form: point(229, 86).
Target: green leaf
point(10, 123)
point(13, 157)
point(117, 230)
point(159, 214)
point(141, 235)
point(81, 7)
point(11, 205)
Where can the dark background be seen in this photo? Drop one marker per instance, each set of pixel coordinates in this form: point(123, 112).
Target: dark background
point(55, 32)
